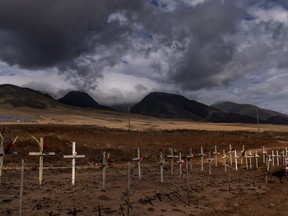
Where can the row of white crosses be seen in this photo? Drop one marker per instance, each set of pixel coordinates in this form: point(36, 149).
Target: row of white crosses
point(269, 159)
point(41, 155)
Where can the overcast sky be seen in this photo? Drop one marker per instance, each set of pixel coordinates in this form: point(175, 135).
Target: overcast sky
point(120, 50)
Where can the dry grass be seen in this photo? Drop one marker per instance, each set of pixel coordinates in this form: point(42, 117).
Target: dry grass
point(118, 120)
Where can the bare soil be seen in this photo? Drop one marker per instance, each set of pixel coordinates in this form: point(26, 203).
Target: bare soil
point(251, 192)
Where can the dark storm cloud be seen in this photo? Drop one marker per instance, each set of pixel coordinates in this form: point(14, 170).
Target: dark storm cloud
point(206, 53)
point(46, 33)
point(186, 43)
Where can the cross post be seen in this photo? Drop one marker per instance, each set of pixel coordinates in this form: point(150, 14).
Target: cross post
point(73, 156)
point(236, 160)
point(273, 158)
point(256, 160)
point(277, 158)
point(202, 158)
point(209, 162)
point(106, 157)
point(172, 156)
point(264, 153)
point(162, 162)
point(230, 155)
point(215, 153)
point(41, 155)
point(138, 159)
point(180, 162)
point(242, 154)
point(225, 160)
point(190, 159)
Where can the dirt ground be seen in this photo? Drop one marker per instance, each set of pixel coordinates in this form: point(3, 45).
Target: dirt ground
point(251, 192)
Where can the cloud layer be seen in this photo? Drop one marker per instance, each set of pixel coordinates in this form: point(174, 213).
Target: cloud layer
point(205, 49)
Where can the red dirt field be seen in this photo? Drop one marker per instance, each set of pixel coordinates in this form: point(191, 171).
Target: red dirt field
point(252, 192)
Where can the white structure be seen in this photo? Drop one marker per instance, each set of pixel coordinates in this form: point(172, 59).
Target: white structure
point(162, 162)
point(202, 155)
point(236, 160)
point(41, 155)
point(209, 162)
point(172, 156)
point(216, 153)
point(138, 159)
point(73, 156)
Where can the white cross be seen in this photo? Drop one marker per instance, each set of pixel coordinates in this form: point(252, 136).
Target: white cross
point(162, 162)
point(202, 158)
point(242, 154)
point(236, 160)
point(273, 158)
point(209, 162)
point(215, 153)
point(250, 156)
point(73, 156)
point(172, 156)
point(277, 158)
point(190, 158)
point(138, 159)
point(180, 162)
point(246, 160)
point(268, 162)
point(264, 153)
point(230, 155)
point(40, 154)
point(256, 159)
point(225, 160)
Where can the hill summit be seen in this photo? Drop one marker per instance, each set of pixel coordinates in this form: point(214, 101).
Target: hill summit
point(165, 105)
point(81, 99)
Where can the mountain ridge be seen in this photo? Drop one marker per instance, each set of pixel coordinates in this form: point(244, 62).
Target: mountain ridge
point(165, 105)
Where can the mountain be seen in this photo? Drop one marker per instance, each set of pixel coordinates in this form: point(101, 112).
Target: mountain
point(15, 96)
point(268, 116)
point(159, 104)
point(81, 99)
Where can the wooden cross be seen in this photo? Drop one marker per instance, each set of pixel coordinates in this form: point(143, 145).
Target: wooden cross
point(246, 160)
point(172, 156)
point(230, 155)
point(138, 159)
point(256, 160)
point(236, 160)
point(225, 160)
point(209, 162)
point(273, 158)
point(264, 153)
point(277, 158)
point(242, 154)
point(283, 157)
point(190, 159)
point(180, 162)
point(268, 162)
point(106, 158)
point(202, 158)
point(73, 156)
point(215, 153)
point(41, 155)
point(250, 156)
